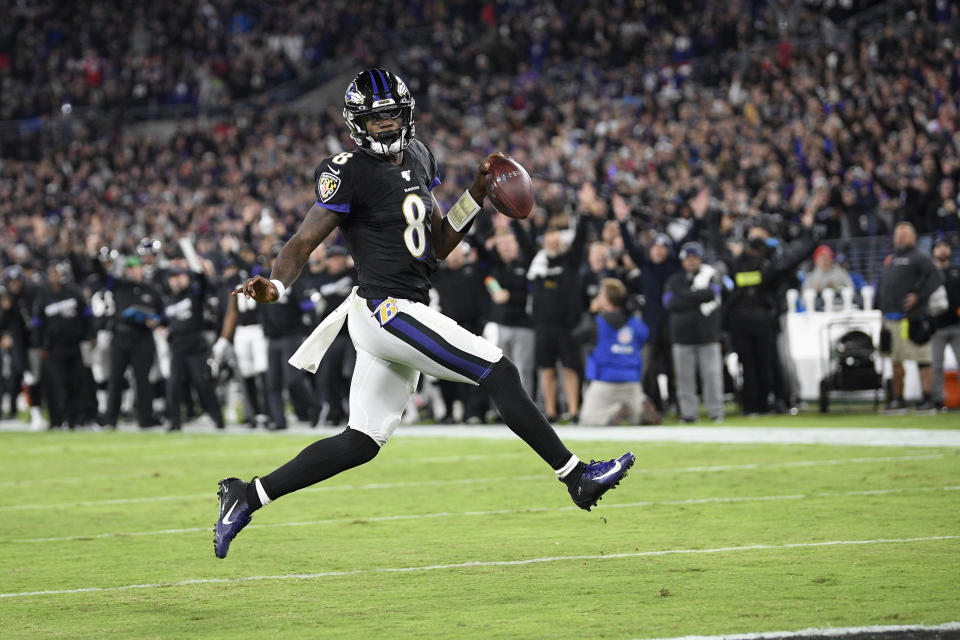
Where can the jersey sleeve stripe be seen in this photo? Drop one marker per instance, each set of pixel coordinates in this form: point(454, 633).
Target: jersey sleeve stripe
point(434, 183)
point(339, 208)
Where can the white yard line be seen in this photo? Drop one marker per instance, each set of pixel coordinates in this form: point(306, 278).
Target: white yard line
point(866, 436)
point(727, 435)
point(474, 564)
point(427, 483)
point(497, 512)
point(829, 632)
point(210, 494)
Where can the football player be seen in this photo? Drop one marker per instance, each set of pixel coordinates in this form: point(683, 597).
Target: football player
point(380, 196)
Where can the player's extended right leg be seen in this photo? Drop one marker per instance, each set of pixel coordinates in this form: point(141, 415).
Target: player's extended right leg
point(235, 514)
point(598, 478)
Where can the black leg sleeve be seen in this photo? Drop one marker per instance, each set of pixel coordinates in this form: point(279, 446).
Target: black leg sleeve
point(521, 415)
point(321, 460)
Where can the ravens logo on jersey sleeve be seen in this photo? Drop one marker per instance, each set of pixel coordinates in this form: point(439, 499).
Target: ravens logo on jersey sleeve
point(332, 183)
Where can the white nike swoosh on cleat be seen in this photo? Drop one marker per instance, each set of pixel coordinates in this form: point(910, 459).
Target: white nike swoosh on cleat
point(226, 518)
point(616, 468)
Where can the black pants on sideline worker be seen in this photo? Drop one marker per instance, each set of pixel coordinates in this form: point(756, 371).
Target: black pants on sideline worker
point(332, 380)
point(282, 375)
point(755, 344)
point(191, 367)
point(68, 386)
point(136, 348)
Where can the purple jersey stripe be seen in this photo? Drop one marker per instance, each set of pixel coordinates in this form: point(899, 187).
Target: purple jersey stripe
point(434, 183)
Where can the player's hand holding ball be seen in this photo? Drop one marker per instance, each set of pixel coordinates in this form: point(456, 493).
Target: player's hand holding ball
point(506, 183)
point(260, 289)
point(509, 187)
point(478, 190)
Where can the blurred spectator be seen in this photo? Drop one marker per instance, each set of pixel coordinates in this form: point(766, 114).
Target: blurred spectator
point(555, 275)
point(61, 320)
point(459, 286)
point(331, 279)
point(189, 349)
point(284, 330)
point(908, 279)
point(243, 343)
point(753, 311)
point(16, 307)
point(596, 269)
point(855, 276)
point(614, 366)
point(138, 312)
point(826, 274)
point(510, 326)
point(946, 323)
point(657, 263)
point(943, 207)
point(693, 299)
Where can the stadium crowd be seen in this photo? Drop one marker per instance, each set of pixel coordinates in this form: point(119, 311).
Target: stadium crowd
point(117, 55)
point(646, 157)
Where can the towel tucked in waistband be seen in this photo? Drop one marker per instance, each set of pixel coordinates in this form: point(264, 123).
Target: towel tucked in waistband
point(311, 352)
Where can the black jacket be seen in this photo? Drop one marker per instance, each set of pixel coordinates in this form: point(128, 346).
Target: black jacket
point(688, 322)
point(462, 295)
point(951, 280)
point(134, 302)
point(61, 318)
point(908, 271)
point(512, 277)
point(183, 315)
point(758, 282)
point(654, 276)
point(556, 282)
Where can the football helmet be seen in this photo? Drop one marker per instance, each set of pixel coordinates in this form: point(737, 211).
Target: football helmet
point(379, 92)
point(149, 247)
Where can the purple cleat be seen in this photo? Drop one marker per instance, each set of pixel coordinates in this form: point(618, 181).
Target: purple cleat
point(598, 478)
point(234, 514)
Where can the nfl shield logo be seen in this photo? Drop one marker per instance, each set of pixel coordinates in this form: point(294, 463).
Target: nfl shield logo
point(327, 186)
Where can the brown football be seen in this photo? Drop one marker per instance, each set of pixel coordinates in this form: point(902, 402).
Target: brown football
point(509, 188)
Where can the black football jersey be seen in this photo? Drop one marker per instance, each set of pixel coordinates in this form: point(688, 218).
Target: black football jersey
point(388, 211)
point(247, 310)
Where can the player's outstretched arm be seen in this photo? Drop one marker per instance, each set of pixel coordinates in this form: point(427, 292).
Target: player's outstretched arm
point(286, 268)
point(445, 237)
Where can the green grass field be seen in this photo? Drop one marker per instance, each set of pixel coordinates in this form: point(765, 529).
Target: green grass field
point(108, 535)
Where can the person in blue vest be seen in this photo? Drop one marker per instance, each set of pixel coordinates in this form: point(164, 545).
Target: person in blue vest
point(614, 365)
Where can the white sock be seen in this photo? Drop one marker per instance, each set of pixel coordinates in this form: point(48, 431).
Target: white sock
point(565, 470)
point(264, 498)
